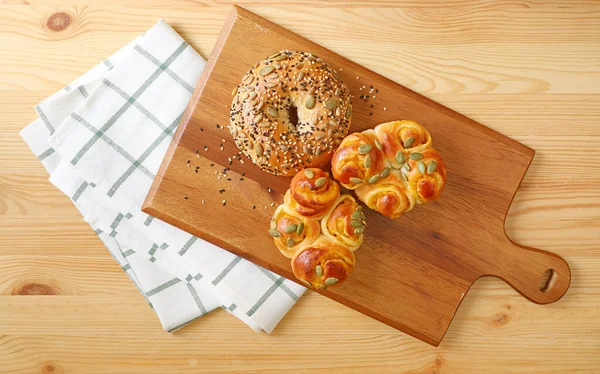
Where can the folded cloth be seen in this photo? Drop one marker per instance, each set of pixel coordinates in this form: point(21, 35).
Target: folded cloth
point(102, 139)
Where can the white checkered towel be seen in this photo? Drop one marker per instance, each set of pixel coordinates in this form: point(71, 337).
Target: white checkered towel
point(102, 139)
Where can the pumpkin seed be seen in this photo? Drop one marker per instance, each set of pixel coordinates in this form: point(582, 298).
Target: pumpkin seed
point(272, 112)
point(404, 177)
point(300, 228)
point(378, 144)
point(290, 242)
point(331, 281)
point(408, 142)
point(373, 179)
point(385, 172)
point(355, 180)
point(338, 91)
point(431, 167)
point(400, 157)
point(359, 208)
point(266, 70)
point(318, 270)
point(279, 58)
point(300, 76)
point(310, 102)
point(331, 104)
point(349, 112)
point(235, 90)
point(309, 173)
point(356, 215)
point(421, 167)
point(359, 230)
point(322, 287)
point(273, 225)
point(334, 123)
point(368, 160)
point(416, 156)
point(258, 118)
point(258, 149)
point(291, 228)
point(365, 148)
point(356, 223)
point(305, 282)
point(320, 182)
point(274, 233)
point(300, 66)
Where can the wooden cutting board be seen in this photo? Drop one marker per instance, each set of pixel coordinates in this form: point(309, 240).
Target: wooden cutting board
point(411, 273)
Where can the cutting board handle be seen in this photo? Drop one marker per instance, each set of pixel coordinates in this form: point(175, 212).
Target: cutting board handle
point(540, 276)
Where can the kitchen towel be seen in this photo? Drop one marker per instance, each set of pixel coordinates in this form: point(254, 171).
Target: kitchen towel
point(102, 139)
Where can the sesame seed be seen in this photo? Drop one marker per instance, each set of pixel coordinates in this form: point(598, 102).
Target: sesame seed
point(202, 201)
point(224, 202)
point(185, 197)
point(384, 108)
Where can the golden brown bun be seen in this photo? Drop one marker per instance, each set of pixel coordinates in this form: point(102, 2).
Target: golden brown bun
point(357, 160)
point(323, 264)
point(389, 196)
point(260, 121)
point(312, 194)
point(404, 169)
point(427, 186)
point(344, 223)
point(292, 231)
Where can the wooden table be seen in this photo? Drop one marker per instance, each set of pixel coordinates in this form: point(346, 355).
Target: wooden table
point(530, 70)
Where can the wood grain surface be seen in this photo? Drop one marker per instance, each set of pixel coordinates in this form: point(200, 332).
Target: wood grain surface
point(528, 69)
point(430, 256)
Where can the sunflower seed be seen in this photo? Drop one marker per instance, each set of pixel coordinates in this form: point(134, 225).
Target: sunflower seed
point(244, 95)
point(416, 156)
point(329, 133)
point(312, 90)
point(272, 112)
point(275, 54)
point(359, 230)
point(233, 130)
point(331, 281)
point(319, 59)
point(421, 167)
point(319, 137)
point(349, 112)
point(271, 85)
point(291, 228)
point(286, 165)
point(378, 144)
point(310, 102)
point(248, 79)
point(320, 182)
point(235, 90)
point(338, 91)
point(252, 95)
point(305, 148)
point(408, 142)
point(318, 270)
point(385, 172)
point(300, 228)
point(373, 179)
point(279, 58)
point(258, 118)
point(400, 157)
point(356, 223)
point(318, 152)
point(300, 66)
point(431, 167)
point(305, 282)
point(309, 173)
point(274, 233)
point(356, 215)
point(258, 149)
point(311, 58)
point(260, 105)
point(365, 148)
point(265, 125)
point(284, 148)
point(267, 147)
point(368, 160)
point(338, 111)
point(290, 242)
point(355, 180)
point(334, 123)
point(300, 76)
point(331, 104)
point(266, 70)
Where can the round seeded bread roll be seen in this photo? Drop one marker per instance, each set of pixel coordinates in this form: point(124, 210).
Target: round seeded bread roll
point(290, 112)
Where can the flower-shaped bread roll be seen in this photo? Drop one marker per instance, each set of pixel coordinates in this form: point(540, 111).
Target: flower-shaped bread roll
point(389, 196)
point(344, 223)
point(358, 160)
point(399, 138)
point(291, 231)
point(323, 264)
point(426, 175)
point(312, 193)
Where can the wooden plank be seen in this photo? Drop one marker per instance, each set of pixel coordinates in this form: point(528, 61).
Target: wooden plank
point(556, 207)
point(443, 249)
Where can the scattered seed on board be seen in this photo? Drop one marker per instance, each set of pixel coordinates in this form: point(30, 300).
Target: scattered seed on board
point(431, 167)
point(235, 90)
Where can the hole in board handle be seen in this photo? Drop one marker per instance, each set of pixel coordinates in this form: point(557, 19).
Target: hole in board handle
point(547, 281)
